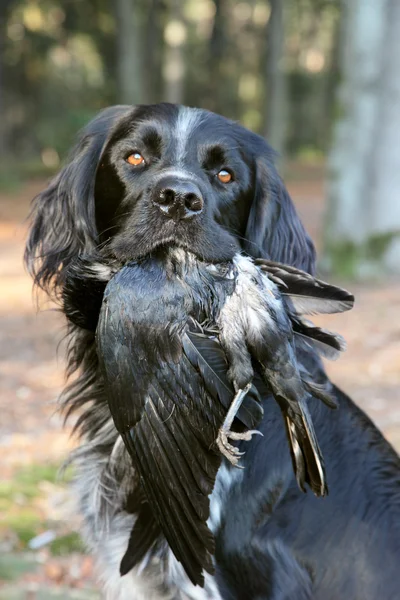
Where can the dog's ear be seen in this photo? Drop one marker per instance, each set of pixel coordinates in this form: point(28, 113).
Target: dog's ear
point(274, 229)
point(63, 219)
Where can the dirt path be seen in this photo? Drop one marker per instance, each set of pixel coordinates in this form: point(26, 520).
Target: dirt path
point(30, 373)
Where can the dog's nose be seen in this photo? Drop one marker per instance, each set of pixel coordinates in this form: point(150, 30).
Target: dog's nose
point(178, 200)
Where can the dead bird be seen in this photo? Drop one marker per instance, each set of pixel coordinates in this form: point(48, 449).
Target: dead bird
point(181, 345)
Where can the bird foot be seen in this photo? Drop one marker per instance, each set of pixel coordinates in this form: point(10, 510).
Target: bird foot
point(231, 452)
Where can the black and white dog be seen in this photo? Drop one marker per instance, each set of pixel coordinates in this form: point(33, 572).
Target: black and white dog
point(217, 179)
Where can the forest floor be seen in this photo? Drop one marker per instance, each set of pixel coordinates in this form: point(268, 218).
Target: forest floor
point(33, 444)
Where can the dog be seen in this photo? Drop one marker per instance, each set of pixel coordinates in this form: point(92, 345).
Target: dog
point(163, 175)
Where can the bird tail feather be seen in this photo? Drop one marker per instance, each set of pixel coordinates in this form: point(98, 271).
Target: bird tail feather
point(308, 463)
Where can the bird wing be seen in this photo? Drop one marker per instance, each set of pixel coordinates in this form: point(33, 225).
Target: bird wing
point(307, 294)
point(304, 294)
point(168, 393)
point(206, 354)
point(168, 423)
point(177, 471)
point(327, 343)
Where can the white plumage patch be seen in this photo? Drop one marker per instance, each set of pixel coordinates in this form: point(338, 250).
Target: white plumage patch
point(246, 313)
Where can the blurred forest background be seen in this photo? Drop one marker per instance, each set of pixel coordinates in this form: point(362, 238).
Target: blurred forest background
point(63, 60)
point(316, 77)
point(319, 78)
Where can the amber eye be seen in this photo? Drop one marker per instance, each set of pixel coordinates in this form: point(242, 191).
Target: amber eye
point(135, 159)
point(224, 176)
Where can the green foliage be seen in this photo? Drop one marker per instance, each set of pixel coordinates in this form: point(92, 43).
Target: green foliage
point(33, 474)
point(20, 504)
point(66, 544)
point(25, 523)
point(12, 567)
point(25, 483)
point(350, 260)
point(60, 134)
point(344, 258)
point(378, 245)
point(10, 179)
point(13, 173)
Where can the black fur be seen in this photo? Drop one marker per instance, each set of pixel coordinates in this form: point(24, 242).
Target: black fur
point(273, 542)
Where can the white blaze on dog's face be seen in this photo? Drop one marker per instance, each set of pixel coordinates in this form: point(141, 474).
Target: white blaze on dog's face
point(188, 120)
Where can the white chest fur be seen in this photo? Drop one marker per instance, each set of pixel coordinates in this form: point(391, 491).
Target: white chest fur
point(157, 577)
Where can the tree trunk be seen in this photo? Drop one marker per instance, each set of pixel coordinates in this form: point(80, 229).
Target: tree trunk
point(329, 87)
point(4, 11)
point(131, 89)
point(363, 227)
point(215, 58)
point(153, 50)
point(174, 56)
point(2, 92)
point(276, 109)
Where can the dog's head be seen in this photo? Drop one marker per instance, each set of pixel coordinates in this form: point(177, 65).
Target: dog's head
point(147, 177)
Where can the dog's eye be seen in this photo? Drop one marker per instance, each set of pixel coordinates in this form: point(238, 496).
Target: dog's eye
point(224, 176)
point(135, 159)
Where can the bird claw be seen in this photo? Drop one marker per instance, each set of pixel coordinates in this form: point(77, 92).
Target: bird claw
point(247, 435)
point(231, 452)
